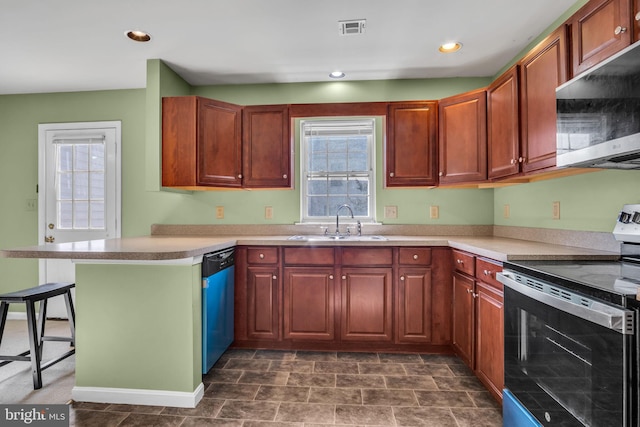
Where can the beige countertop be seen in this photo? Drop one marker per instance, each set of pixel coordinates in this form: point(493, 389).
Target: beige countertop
point(173, 247)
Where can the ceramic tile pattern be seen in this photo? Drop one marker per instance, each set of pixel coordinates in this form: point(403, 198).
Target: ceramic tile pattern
point(267, 388)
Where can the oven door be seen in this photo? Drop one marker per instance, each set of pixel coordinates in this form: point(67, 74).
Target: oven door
point(567, 358)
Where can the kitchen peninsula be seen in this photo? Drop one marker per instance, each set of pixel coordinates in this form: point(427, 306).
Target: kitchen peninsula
point(138, 301)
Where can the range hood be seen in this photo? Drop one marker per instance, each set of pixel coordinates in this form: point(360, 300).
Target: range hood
point(598, 115)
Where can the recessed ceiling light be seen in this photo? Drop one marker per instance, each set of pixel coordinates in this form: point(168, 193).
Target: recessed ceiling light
point(337, 75)
point(138, 36)
point(450, 47)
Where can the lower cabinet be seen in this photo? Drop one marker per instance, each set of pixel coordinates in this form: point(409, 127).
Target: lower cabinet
point(344, 298)
point(309, 303)
point(366, 309)
point(478, 328)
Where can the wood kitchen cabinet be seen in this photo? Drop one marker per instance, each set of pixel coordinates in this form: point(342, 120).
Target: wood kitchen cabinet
point(201, 143)
point(415, 295)
point(463, 138)
point(635, 18)
point(266, 147)
point(309, 294)
point(257, 294)
point(503, 129)
point(209, 143)
point(478, 318)
point(542, 70)
point(366, 294)
point(598, 30)
point(411, 150)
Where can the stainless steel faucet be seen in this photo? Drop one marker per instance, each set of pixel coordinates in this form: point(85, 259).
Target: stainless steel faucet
point(338, 216)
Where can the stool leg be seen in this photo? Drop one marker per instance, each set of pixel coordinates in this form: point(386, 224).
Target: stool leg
point(71, 314)
point(42, 318)
point(4, 308)
point(33, 345)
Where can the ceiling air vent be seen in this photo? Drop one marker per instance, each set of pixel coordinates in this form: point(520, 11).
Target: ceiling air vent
point(352, 27)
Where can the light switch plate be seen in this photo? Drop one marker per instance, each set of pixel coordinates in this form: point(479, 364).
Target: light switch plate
point(268, 212)
point(506, 211)
point(219, 212)
point(556, 210)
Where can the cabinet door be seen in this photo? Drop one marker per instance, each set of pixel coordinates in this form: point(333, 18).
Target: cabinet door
point(635, 17)
point(309, 303)
point(366, 304)
point(463, 138)
point(541, 71)
point(463, 310)
point(413, 310)
point(179, 133)
point(263, 310)
point(411, 144)
point(502, 125)
point(266, 147)
point(490, 338)
point(219, 144)
point(599, 29)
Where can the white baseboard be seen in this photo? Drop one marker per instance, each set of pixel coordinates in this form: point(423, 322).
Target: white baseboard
point(130, 396)
point(16, 315)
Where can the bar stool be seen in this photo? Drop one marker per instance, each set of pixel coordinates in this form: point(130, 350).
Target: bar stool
point(36, 325)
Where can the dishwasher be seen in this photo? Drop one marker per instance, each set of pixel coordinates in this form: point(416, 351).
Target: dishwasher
point(217, 305)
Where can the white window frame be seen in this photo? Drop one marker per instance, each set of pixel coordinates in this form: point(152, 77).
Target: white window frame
point(369, 122)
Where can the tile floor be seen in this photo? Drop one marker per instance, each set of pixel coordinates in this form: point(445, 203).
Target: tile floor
point(256, 388)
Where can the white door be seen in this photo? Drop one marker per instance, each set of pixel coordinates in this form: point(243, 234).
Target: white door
point(78, 192)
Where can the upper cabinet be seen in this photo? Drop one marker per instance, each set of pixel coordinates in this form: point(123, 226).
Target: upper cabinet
point(541, 71)
point(411, 144)
point(599, 29)
point(462, 138)
point(502, 125)
point(636, 20)
point(266, 152)
point(209, 143)
point(201, 142)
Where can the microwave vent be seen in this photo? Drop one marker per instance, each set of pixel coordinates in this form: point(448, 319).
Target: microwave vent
point(352, 27)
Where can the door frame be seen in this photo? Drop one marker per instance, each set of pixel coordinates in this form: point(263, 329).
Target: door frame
point(43, 128)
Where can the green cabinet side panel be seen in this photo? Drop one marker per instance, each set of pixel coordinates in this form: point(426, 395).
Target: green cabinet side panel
point(138, 326)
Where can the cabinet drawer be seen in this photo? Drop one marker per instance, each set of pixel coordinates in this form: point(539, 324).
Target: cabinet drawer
point(414, 256)
point(265, 255)
point(463, 262)
point(486, 270)
point(309, 256)
point(367, 256)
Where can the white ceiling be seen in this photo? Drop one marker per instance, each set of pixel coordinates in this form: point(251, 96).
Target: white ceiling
point(78, 45)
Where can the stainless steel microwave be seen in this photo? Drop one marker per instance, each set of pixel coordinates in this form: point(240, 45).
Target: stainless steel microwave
point(598, 115)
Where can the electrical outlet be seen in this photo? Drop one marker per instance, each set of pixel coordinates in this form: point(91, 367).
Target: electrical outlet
point(30, 205)
point(219, 212)
point(434, 212)
point(391, 212)
point(506, 211)
point(556, 210)
point(268, 212)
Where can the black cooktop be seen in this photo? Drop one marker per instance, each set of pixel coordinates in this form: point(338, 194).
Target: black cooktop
point(613, 281)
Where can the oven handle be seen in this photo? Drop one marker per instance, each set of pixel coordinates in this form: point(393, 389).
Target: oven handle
point(616, 319)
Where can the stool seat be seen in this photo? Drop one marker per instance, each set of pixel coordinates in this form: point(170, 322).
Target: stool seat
point(36, 326)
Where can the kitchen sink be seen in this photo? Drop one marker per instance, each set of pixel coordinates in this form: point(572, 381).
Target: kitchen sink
point(337, 237)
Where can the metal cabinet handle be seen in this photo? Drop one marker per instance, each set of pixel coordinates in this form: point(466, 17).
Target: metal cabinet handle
point(441, 173)
point(459, 261)
point(239, 176)
point(620, 29)
point(391, 174)
point(401, 277)
point(261, 256)
point(274, 277)
point(415, 256)
point(284, 176)
point(331, 276)
point(344, 277)
point(638, 16)
point(487, 272)
point(521, 159)
point(513, 161)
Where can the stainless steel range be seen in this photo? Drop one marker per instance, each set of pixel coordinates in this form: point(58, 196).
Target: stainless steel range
point(571, 337)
